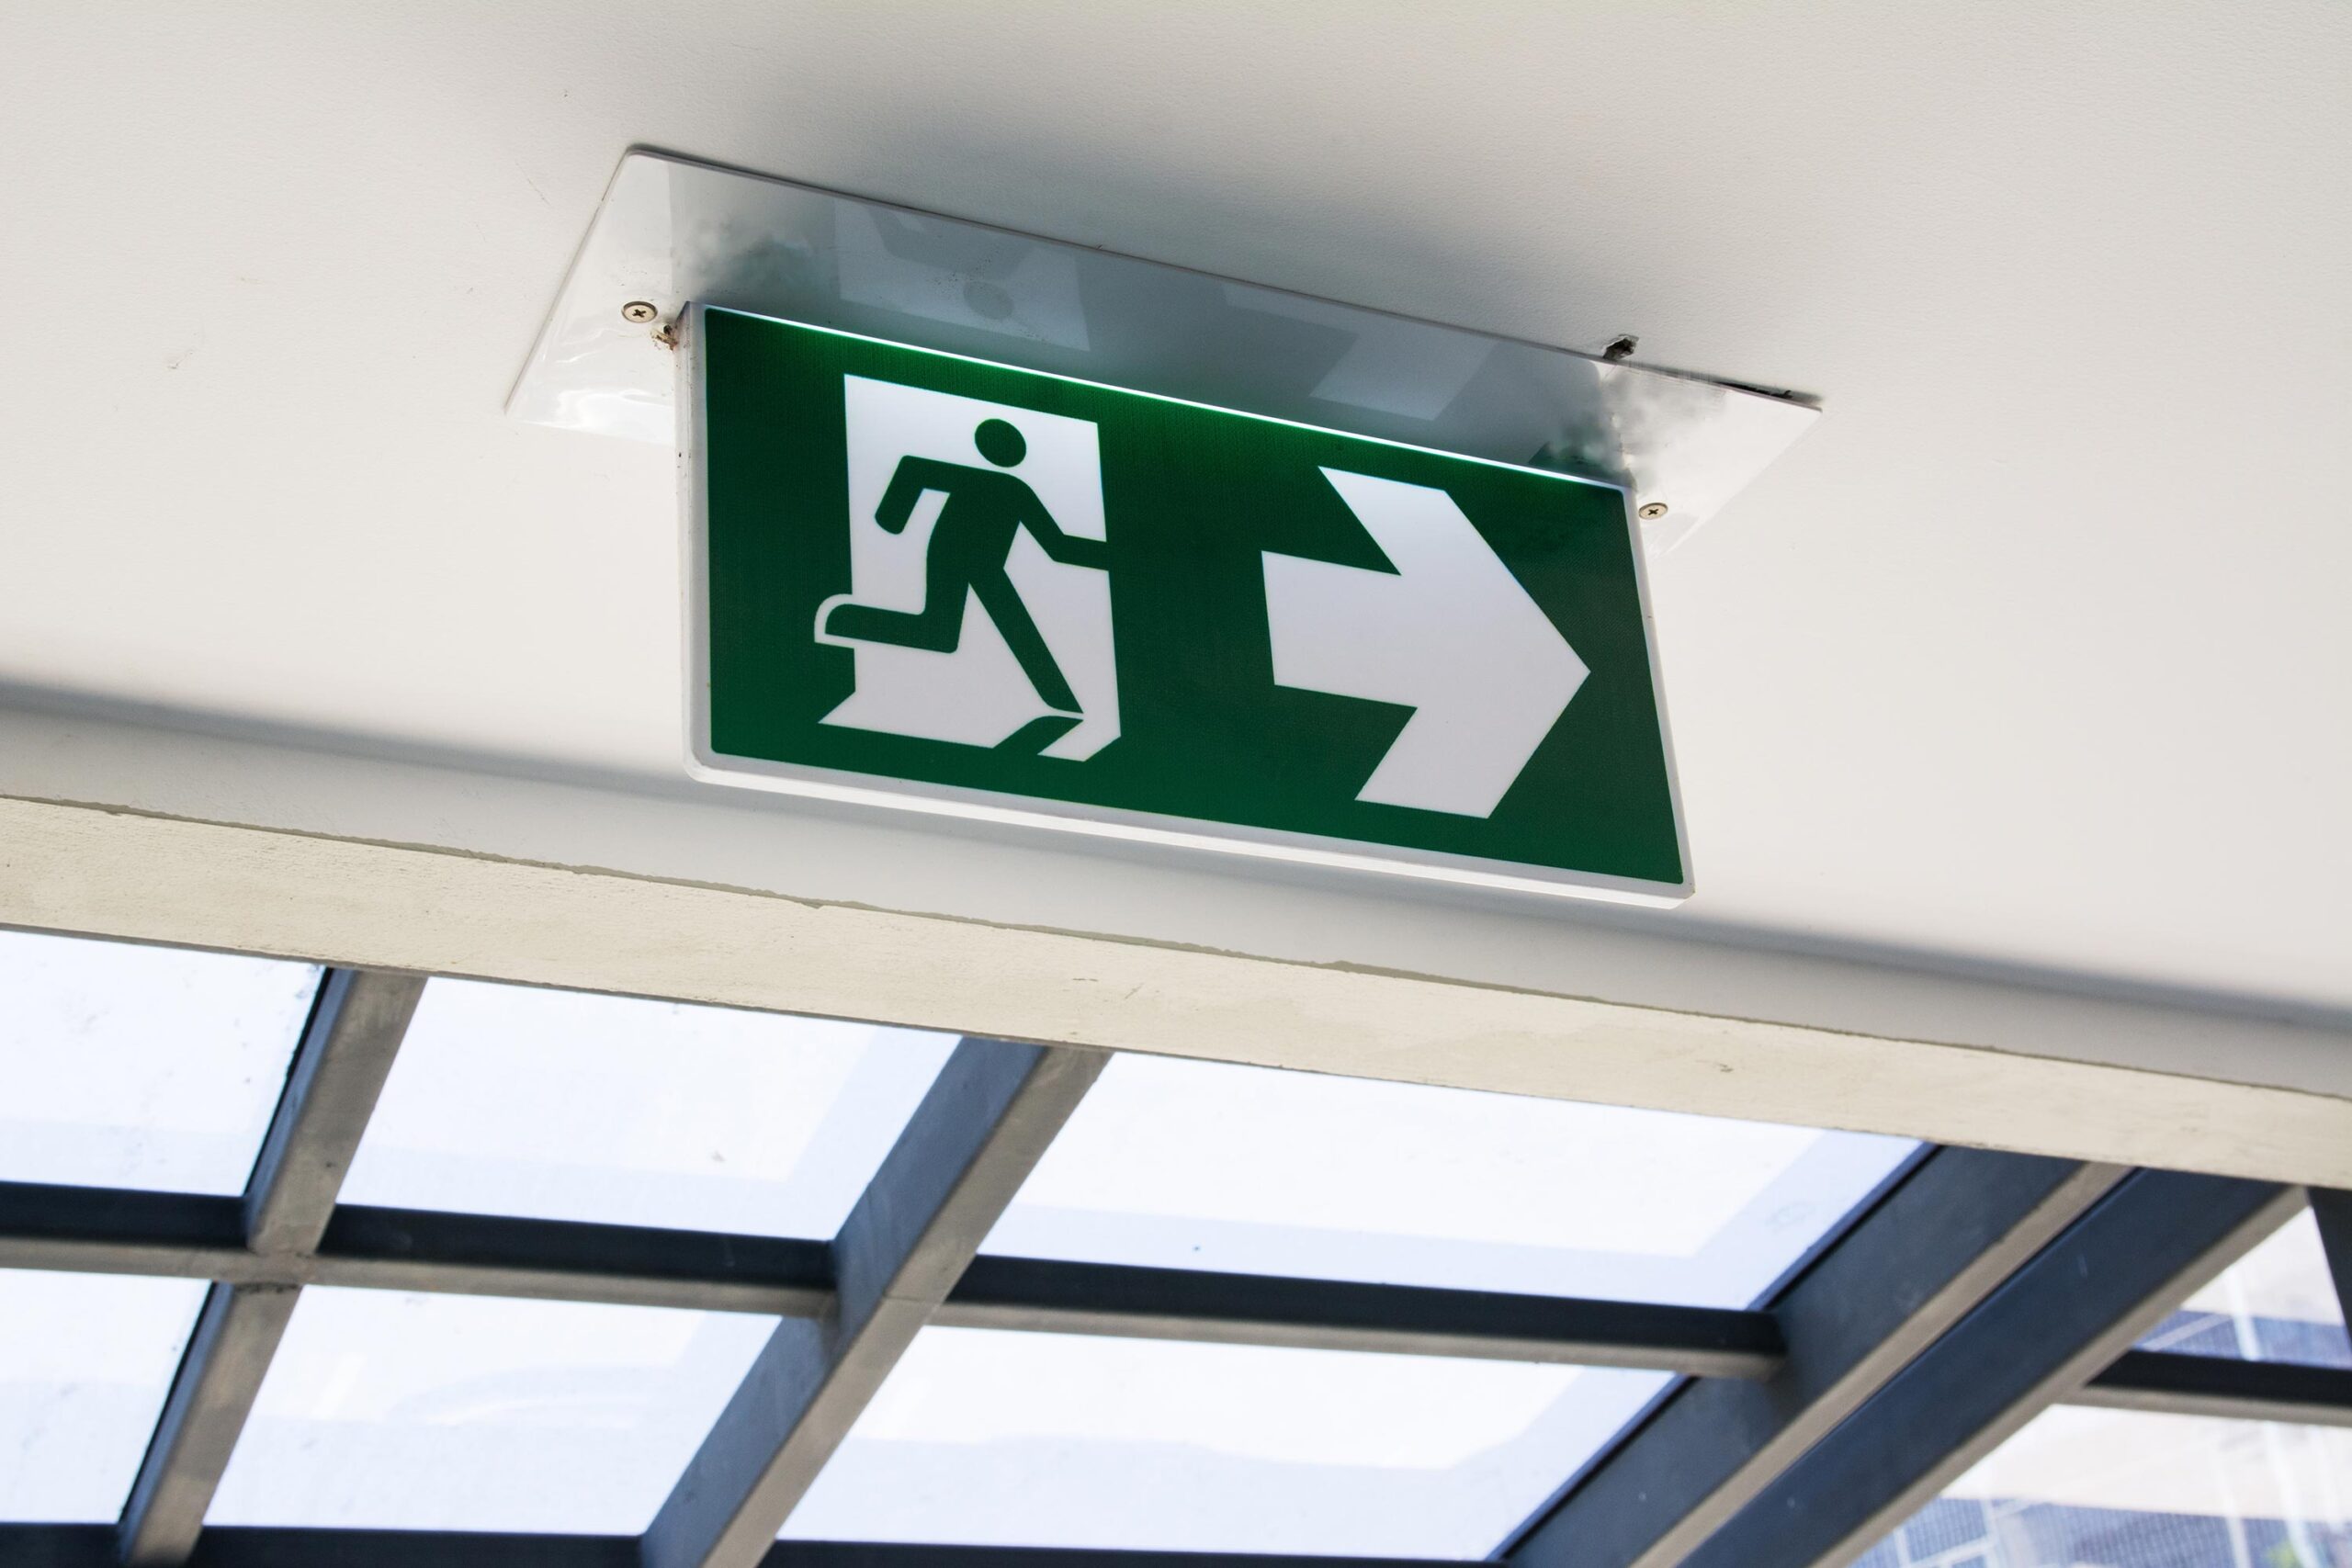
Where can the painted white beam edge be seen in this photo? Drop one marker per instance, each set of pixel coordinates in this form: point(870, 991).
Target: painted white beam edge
point(115, 872)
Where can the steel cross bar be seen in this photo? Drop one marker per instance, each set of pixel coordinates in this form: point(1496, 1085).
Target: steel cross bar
point(2332, 1210)
point(1038, 1295)
point(2222, 1386)
point(91, 1230)
point(953, 1170)
point(2078, 1304)
point(106, 1230)
point(346, 1049)
point(1958, 1224)
point(92, 1546)
point(2232, 1389)
point(186, 1236)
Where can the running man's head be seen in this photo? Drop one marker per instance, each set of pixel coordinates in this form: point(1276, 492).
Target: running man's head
point(1000, 443)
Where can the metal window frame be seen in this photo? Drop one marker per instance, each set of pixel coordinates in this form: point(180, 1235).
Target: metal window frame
point(957, 1167)
point(2052, 1327)
point(1968, 1273)
point(1961, 1222)
point(355, 1028)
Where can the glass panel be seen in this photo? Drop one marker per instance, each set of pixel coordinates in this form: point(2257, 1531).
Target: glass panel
point(1195, 1165)
point(85, 1361)
point(140, 1066)
point(397, 1410)
point(2276, 1304)
point(2082, 1488)
point(1041, 1439)
point(565, 1106)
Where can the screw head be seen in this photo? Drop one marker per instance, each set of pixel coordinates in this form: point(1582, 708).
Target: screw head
point(1650, 510)
point(639, 312)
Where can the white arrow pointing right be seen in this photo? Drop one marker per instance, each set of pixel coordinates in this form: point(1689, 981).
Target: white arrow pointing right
point(1450, 633)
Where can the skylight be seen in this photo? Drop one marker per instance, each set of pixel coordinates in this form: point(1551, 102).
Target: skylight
point(140, 1066)
point(85, 1361)
point(1041, 1439)
point(1198, 1165)
point(395, 1411)
point(562, 1105)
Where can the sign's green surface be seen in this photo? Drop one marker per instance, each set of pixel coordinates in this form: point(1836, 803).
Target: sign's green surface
point(990, 589)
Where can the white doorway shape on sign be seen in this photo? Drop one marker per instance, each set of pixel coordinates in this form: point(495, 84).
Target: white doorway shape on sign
point(978, 681)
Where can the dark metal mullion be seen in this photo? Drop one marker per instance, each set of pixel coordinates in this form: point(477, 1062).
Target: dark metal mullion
point(2222, 1386)
point(953, 1170)
point(346, 1049)
point(100, 1230)
point(235, 1546)
point(228, 1355)
point(893, 1554)
point(1037, 1295)
point(2332, 1210)
point(2073, 1310)
point(96, 1230)
point(406, 1250)
point(189, 1236)
point(331, 1090)
point(1961, 1223)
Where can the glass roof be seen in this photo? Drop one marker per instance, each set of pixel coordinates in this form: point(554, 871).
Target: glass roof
point(454, 1412)
point(2126, 1489)
point(1044, 1439)
point(2276, 1304)
point(566, 1106)
point(140, 1066)
point(392, 1410)
point(1251, 1170)
point(85, 1361)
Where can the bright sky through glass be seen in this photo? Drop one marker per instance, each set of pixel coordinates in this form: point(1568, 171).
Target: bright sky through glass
point(1195, 1165)
point(389, 1410)
point(561, 1105)
point(1046, 1440)
point(85, 1361)
point(2276, 1304)
point(140, 1066)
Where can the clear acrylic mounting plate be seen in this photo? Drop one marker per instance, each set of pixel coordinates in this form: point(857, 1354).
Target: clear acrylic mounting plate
point(672, 230)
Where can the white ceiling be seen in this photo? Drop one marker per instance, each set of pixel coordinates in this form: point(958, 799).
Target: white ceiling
point(2039, 648)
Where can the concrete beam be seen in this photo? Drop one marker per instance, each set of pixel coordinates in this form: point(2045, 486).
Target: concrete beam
point(2014, 1072)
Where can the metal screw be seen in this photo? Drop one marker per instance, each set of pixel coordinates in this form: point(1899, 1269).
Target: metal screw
point(1651, 511)
point(639, 311)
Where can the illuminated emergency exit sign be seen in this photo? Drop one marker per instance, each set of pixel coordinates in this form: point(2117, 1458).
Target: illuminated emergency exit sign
point(930, 581)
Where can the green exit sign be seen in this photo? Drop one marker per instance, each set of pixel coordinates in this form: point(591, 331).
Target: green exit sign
point(931, 582)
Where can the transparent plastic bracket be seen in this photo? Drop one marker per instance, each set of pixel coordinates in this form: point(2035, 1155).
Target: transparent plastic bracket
point(673, 232)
